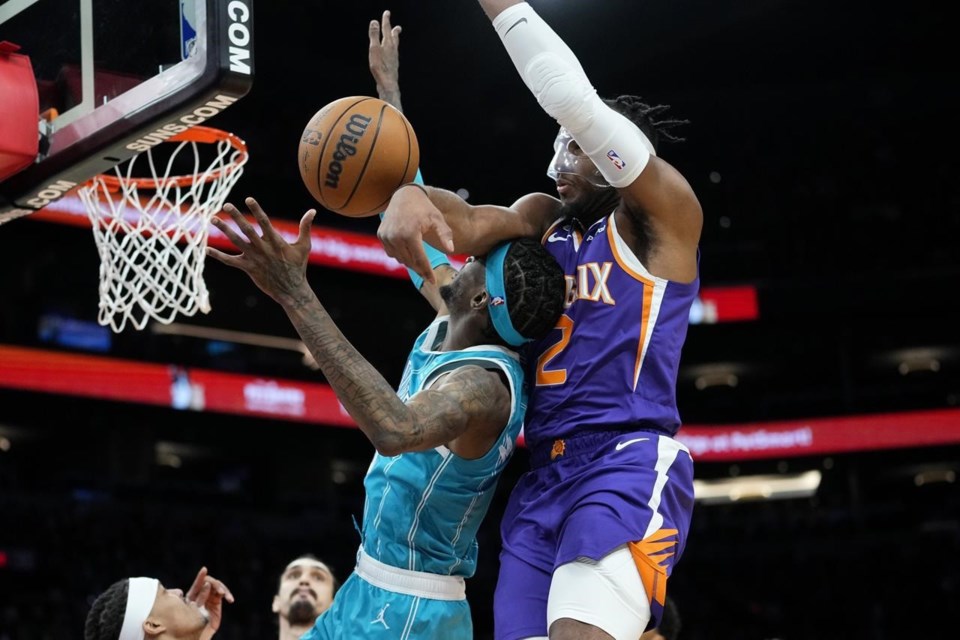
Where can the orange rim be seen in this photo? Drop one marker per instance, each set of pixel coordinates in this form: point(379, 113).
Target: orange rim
point(203, 135)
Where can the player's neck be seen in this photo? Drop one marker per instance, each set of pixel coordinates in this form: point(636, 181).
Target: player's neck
point(589, 210)
point(292, 632)
point(460, 335)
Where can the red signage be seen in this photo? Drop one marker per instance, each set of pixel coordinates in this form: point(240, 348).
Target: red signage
point(822, 435)
point(170, 386)
point(363, 252)
point(328, 247)
point(204, 390)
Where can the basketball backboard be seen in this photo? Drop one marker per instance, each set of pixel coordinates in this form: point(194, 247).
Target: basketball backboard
point(122, 77)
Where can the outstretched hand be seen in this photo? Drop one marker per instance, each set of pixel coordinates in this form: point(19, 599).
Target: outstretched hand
point(278, 267)
point(209, 593)
point(385, 56)
point(410, 217)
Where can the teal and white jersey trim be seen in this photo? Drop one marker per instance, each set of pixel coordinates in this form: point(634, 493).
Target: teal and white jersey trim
point(423, 509)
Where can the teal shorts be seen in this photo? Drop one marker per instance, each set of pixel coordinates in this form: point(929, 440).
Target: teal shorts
point(362, 610)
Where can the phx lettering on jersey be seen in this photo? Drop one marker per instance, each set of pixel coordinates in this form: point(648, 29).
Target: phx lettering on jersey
point(346, 147)
point(590, 283)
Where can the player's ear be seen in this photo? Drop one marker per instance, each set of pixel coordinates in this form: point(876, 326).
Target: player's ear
point(479, 301)
point(276, 604)
point(153, 627)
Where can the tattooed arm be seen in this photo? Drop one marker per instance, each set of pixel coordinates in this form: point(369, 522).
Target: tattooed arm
point(467, 410)
point(470, 405)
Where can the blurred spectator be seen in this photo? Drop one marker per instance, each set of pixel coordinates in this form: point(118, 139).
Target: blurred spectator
point(306, 589)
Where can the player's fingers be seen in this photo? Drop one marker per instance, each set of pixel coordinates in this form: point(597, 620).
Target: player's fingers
point(204, 594)
point(385, 26)
point(390, 247)
point(374, 32)
point(232, 236)
point(227, 259)
point(269, 233)
point(225, 592)
point(304, 238)
point(221, 589)
point(421, 264)
point(243, 224)
point(443, 232)
point(202, 574)
point(396, 32)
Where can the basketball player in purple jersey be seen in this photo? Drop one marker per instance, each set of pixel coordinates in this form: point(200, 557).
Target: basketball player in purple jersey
point(592, 532)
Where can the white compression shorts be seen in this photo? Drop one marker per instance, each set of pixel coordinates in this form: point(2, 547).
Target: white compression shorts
point(607, 594)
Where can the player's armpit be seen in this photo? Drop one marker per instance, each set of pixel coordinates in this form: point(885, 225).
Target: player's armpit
point(662, 198)
point(467, 411)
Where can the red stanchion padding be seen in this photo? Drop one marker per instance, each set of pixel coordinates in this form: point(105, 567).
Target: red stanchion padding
point(19, 110)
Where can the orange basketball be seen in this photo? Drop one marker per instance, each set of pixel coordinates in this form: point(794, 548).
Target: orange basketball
point(354, 153)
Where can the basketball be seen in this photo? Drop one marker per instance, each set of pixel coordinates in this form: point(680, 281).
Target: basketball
point(354, 153)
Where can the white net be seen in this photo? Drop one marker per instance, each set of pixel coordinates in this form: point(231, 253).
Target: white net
point(152, 245)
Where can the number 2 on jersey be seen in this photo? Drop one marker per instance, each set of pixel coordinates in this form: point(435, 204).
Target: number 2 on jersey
point(545, 377)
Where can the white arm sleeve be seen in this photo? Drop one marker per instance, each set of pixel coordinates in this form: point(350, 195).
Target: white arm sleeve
point(553, 74)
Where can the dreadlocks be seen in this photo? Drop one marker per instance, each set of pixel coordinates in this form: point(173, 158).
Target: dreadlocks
point(642, 115)
point(535, 288)
point(106, 614)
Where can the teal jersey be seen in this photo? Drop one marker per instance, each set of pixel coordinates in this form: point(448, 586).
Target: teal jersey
point(423, 509)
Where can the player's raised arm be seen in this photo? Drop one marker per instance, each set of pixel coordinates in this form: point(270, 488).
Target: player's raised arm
point(470, 397)
point(384, 60)
point(651, 189)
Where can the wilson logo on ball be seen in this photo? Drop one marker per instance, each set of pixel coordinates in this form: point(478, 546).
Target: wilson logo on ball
point(354, 153)
point(346, 147)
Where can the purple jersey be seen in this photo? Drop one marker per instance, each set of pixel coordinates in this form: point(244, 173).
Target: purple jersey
point(611, 362)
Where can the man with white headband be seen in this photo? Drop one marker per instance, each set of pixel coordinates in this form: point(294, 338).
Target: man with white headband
point(305, 590)
point(142, 608)
point(594, 530)
point(442, 438)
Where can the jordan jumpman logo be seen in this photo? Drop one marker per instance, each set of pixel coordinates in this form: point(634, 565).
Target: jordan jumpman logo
point(380, 619)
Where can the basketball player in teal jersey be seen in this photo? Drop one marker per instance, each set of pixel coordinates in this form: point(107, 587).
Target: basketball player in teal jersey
point(593, 531)
point(442, 439)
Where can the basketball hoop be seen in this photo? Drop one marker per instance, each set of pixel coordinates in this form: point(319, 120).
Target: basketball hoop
point(152, 246)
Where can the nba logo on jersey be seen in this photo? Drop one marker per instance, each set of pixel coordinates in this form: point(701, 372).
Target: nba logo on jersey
point(616, 160)
point(497, 301)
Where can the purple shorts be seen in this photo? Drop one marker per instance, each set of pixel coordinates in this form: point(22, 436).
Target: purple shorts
point(587, 496)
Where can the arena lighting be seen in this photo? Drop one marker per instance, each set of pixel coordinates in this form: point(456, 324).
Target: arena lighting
point(716, 380)
point(757, 487)
point(173, 454)
point(911, 365)
point(918, 360)
point(933, 476)
point(238, 337)
point(724, 374)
